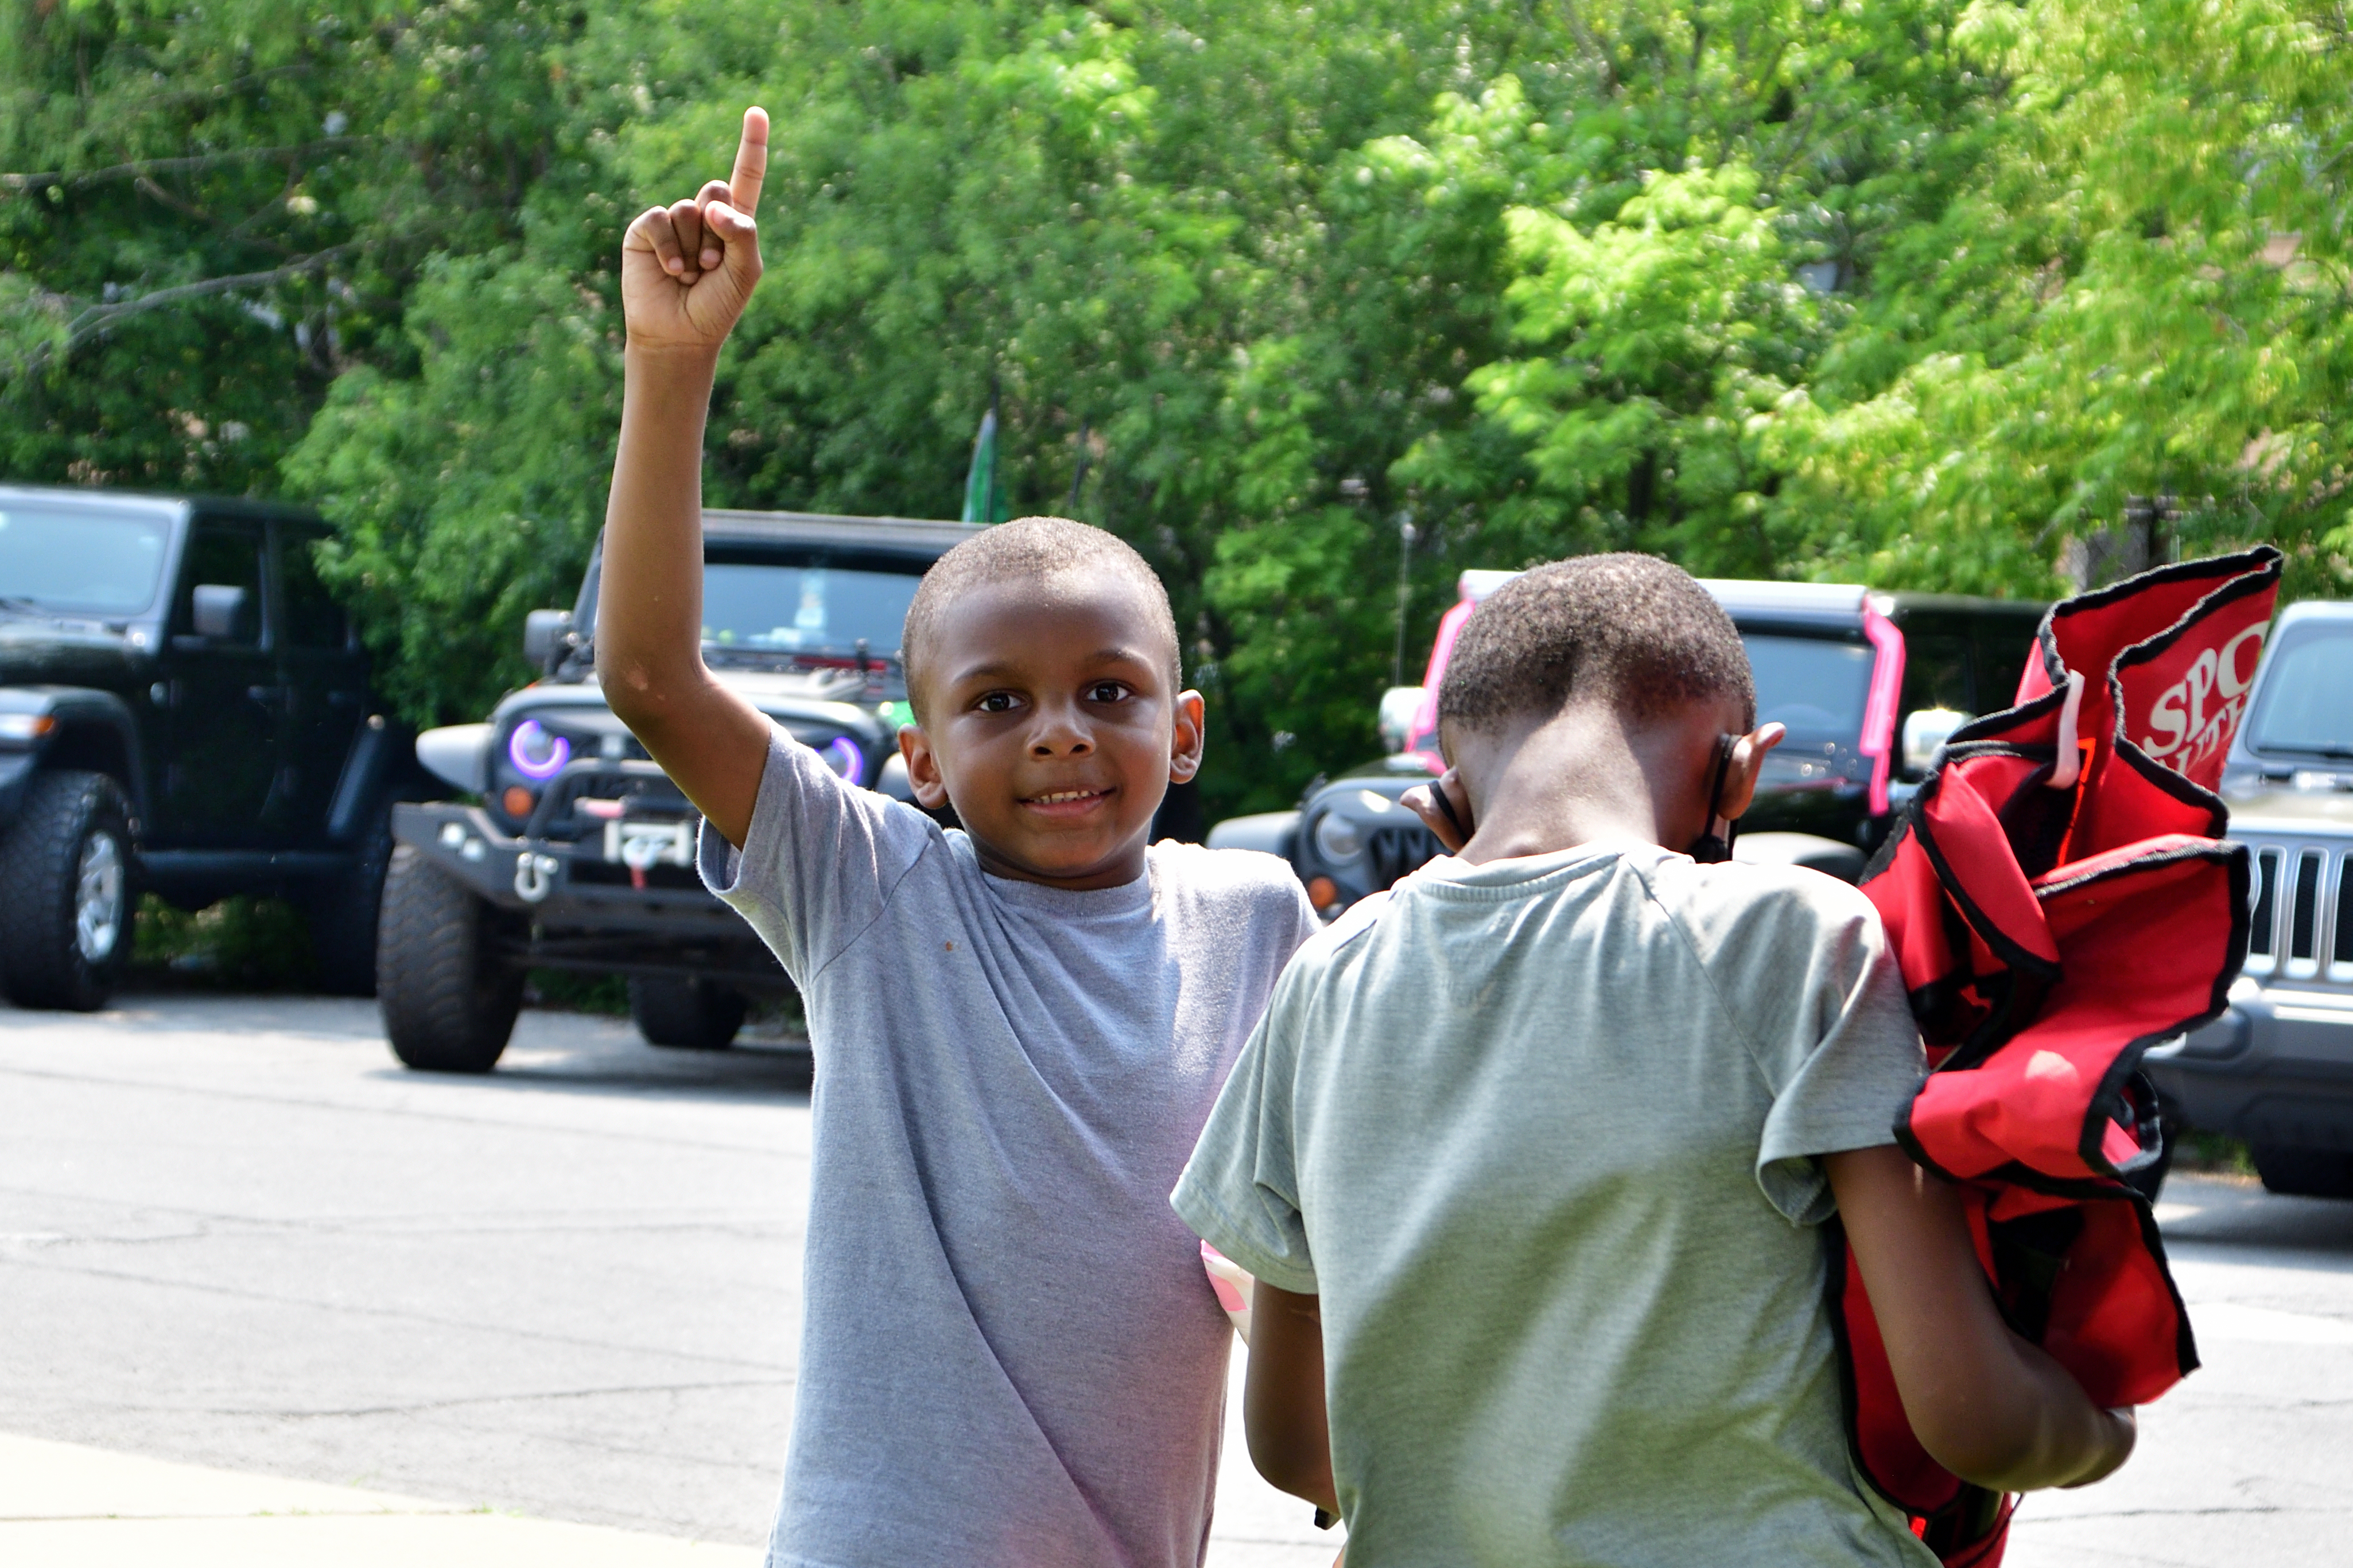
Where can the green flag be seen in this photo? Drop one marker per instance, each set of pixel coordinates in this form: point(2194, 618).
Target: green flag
point(981, 503)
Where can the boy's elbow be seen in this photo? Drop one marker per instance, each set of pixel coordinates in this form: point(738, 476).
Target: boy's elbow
point(2024, 1450)
point(1290, 1463)
point(1997, 1460)
point(632, 688)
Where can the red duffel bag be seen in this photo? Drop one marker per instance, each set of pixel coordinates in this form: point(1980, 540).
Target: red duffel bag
point(2060, 897)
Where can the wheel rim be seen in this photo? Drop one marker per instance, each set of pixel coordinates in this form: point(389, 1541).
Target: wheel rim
point(98, 899)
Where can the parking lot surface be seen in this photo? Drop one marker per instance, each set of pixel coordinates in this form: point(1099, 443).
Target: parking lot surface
point(233, 1232)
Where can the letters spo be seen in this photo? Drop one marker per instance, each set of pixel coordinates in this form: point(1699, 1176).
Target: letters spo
point(2195, 715)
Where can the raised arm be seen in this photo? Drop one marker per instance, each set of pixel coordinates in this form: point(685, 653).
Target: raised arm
point(1987, 1406)
point(687, 271)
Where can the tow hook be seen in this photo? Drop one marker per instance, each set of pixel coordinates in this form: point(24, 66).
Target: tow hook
point(639, 856)
point(534, 877)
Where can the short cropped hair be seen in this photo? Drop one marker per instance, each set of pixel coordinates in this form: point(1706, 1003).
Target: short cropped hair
point(1033, 549)
point(1631, 630)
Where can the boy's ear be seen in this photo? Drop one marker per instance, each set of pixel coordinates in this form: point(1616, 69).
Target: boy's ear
point(923, 767)
point(1748, 762)
point(1188, 736)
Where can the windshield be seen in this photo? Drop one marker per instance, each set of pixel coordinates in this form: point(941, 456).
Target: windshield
point(79, 561)
point(774, 607)
point(1816, 687)
point(2308, 696)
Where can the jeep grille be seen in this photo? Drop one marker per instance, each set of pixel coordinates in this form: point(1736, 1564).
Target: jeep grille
point(1395, 851)
point(2303, 924)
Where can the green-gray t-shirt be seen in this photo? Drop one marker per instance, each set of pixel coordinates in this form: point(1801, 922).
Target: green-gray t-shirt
point(1538, 1132)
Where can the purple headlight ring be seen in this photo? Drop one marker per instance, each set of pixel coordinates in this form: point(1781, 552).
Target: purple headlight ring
point(842, 755)
point(527, 738)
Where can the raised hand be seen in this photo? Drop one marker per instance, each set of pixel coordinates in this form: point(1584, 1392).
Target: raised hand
point(689, 268)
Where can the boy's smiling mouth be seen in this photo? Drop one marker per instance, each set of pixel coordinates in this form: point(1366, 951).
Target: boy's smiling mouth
point(1065, 802)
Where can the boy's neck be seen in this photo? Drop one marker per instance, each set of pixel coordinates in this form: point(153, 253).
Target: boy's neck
point(1587, 775)
point(1118, 871)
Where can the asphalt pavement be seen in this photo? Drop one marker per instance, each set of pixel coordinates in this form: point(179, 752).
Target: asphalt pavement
point(234, 1235)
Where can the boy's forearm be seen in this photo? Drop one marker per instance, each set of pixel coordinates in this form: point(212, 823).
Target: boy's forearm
point(1283, 1396)
point(649, 633)
point(1985, 1405)
point(2057, 1436)
point(649, 608)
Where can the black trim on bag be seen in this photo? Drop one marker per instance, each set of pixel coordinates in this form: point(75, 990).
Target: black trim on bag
point(1990, 730)
point(2014, 1002)
point(2003, 945)
point(1883, 857)
point(2185, 1341)
point(2222, 569)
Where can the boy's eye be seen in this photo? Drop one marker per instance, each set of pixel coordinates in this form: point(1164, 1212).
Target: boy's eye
point(1106, 691)
point(998, 702)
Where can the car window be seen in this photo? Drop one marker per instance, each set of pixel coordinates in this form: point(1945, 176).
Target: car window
point(230, 556)
point(2002, 651)
point(1935, 670)
point(314, 619)
point(2307, 696)
point(811, 607)
point(1814, 684)
point(81, 560)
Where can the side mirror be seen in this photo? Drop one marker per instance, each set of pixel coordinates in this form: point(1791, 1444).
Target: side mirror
point(1925, 731)
point(1399, 706)
point(545, 633)
point(223, 612)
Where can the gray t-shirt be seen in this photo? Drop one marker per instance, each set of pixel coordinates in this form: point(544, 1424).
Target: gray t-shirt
point(1538, 1132)
point(1009, 1354)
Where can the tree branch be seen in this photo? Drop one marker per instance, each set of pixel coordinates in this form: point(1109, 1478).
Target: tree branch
point(147, 169)
point(96, 319)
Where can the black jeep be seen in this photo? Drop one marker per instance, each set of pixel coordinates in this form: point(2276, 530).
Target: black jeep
point(1869, 684)
point(184, 710)
point(576, 851)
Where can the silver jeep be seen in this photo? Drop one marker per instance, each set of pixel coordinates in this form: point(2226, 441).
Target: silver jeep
point(2277, 1068)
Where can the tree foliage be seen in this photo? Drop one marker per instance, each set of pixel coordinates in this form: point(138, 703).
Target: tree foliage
point(1909, 292)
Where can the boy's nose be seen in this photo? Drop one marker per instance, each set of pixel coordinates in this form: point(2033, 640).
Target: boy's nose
point(1060, 733)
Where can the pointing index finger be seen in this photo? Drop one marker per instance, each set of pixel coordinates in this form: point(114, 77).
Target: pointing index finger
point(750, 162)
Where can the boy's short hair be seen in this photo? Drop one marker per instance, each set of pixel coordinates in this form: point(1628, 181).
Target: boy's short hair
point(1032, 549)
point(1631, 630)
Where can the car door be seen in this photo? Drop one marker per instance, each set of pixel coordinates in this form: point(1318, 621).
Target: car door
point(324, 673)
point(222, 692)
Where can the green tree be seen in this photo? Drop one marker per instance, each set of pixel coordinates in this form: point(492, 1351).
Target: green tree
point(208, 214)
point(1910, 292)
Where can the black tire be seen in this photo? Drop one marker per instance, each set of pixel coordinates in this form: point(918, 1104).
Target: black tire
point(685, 1015)
point(68, 903)
point(2305, 1172)
point(343, 914)
point(448, 999)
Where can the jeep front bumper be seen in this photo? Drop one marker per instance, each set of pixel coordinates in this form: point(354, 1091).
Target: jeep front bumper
point(2276, 1068)
point(586, 905)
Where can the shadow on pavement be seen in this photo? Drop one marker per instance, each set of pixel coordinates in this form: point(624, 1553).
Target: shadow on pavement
point(553, 1049)
point(2243, 1215)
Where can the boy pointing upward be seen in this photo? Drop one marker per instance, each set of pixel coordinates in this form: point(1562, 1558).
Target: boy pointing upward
point(1009, 1354)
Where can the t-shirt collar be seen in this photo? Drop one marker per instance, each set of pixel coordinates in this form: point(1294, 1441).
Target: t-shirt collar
point(1520, 870)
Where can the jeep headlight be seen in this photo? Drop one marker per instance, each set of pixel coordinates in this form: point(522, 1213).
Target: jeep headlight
point(1337, 839)
point(526, 758)
point(845, 757)
point(536, 753)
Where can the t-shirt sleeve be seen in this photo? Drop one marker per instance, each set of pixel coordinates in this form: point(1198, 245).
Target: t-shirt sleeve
point(1239, 1192)
point(1838, 1047)
point(819, 861)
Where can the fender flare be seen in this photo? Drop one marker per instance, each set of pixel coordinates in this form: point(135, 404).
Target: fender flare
point(79, 711)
